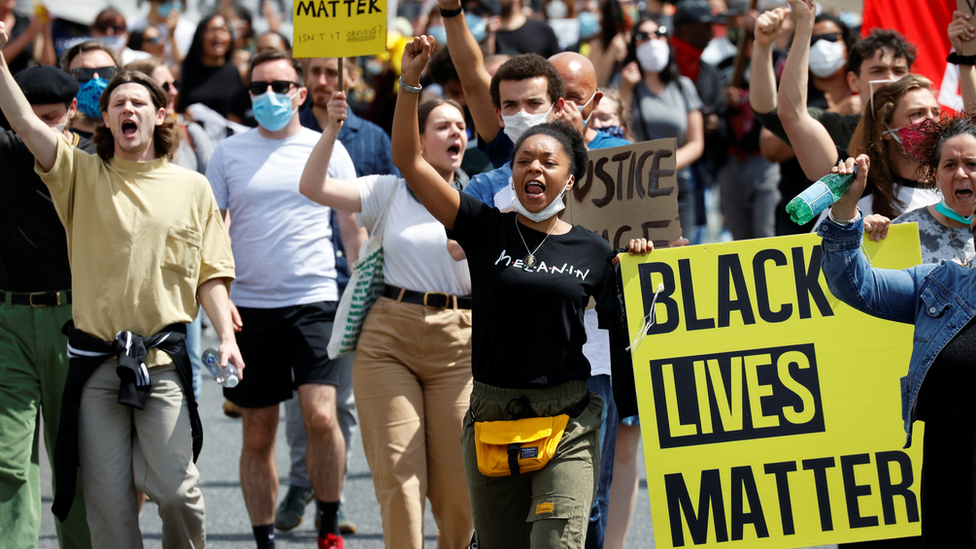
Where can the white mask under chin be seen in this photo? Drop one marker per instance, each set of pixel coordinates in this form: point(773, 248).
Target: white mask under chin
point(653, 55)
point(826, 58)
point(552, 209)
point(517, 124)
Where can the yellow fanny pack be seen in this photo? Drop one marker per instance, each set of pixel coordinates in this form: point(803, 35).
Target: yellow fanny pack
point(518, 446)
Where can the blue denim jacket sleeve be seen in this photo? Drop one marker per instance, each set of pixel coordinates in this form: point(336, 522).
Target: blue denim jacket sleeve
point(884, 293)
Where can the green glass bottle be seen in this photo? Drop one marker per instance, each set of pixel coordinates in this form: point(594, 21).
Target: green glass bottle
point(818, 197)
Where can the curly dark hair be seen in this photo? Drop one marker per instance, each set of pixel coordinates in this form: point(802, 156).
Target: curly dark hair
point(879, 39)
point(567, 137)
point(523, 67)
point(934, 134)
point(162, 134)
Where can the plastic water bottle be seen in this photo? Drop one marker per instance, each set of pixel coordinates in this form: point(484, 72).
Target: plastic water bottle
point(225, 376)
point(818, 197)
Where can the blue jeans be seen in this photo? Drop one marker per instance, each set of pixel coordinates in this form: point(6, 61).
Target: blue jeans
point(608, 443)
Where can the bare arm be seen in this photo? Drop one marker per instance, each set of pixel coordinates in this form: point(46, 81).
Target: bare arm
point(351, 234)
point(762, 79)
point(470, 64)
point(774, 149)
point(960, 31)
point(216, 302)
point(694, 146)
point(40, 140)
point(440, 199)
point(44, 47)
point(315, 183)
point(813, 146)
point(13, 48)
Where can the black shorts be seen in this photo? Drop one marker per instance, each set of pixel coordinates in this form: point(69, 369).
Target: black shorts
point(283, 349)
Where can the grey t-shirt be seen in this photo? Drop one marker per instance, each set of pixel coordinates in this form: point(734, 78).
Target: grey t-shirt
point(938, 241)
point(664, 115)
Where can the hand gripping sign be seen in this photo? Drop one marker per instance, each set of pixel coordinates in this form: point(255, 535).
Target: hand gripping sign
point(770, 410)
point(339, 28)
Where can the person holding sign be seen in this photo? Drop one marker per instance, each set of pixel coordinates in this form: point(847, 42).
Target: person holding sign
point(532, 276)
point(935, 298)
point(412, 370)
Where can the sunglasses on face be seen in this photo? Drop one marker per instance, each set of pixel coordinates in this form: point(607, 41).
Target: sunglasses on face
point(154, 40)
point(84, 75)
point(641, 36)
point(118, 29)
point(171, 86)
point(277, 86)
point(830, 37)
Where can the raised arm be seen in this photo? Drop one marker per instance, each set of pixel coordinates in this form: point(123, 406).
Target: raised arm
point(813, 145)
point(41, 141)
point(470, 65)
point(440, 199)
point(762, 79)
point(960, 31)
point(316, 183)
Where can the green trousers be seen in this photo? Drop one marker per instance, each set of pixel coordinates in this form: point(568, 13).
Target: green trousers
point(548, 508)
point(33, 366)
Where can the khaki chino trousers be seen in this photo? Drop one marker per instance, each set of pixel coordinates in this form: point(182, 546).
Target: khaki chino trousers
point(122, 448)
point(412, 382)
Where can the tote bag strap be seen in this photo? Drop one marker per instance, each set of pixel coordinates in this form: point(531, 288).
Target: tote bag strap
point(378, 225)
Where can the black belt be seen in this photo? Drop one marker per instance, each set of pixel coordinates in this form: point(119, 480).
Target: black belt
point(431, 300)
point(38, 299)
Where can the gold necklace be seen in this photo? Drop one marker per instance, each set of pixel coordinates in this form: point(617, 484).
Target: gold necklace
point(965, 260)
point(530, 258)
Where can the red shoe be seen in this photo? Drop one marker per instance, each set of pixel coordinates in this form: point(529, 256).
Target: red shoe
point(331, 541)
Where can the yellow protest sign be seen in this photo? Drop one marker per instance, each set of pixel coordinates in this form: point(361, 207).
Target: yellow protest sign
point(339, 28)
point(770, 410)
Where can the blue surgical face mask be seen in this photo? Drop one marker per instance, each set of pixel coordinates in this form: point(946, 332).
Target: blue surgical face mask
point(583, 107)
point(88, 95)
point(273, 110)
point(438, 32)
point(169, 6)
point(477, 25)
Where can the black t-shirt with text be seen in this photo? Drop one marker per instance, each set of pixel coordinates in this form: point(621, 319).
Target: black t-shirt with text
point(33, 246)
point(528, 322)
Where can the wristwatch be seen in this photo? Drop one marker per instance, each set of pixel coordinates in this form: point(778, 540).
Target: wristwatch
point(452, 13)
point(408, 88)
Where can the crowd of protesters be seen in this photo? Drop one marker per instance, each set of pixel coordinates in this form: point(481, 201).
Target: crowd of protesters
point(159, 165)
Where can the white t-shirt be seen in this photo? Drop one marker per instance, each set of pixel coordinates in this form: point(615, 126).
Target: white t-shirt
point(415, 253)
point(281, 240)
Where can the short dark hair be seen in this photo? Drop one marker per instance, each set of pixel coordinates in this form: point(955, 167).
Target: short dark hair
point(846, 34)
point(879, 39)
point(570, 140)
point(274, 55)
point(162, 134)
point(523, 67)
point(427, 107)
point(69, 54)
point(441, 68)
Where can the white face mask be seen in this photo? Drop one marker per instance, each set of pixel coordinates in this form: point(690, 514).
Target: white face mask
point(583, 107)
point(653, 55)
point(516, 124)
point(556, 10)
point(552, 209)
point(826, 58)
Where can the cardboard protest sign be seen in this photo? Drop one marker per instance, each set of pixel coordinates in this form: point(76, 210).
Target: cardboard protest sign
point(770, 410)
point(967, 6)
point(339, 28)
point(629, 192)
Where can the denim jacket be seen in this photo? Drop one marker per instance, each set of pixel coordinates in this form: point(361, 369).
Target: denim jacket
point(938, 299)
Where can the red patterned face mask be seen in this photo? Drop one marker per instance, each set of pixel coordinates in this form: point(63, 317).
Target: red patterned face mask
point(909, 137)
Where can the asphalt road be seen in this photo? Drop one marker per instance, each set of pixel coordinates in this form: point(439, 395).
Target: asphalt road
point(227, 522)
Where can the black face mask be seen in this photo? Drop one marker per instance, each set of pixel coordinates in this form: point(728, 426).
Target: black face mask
point(734, 34)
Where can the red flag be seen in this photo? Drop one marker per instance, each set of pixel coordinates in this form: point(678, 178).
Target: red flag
point(923, 24)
